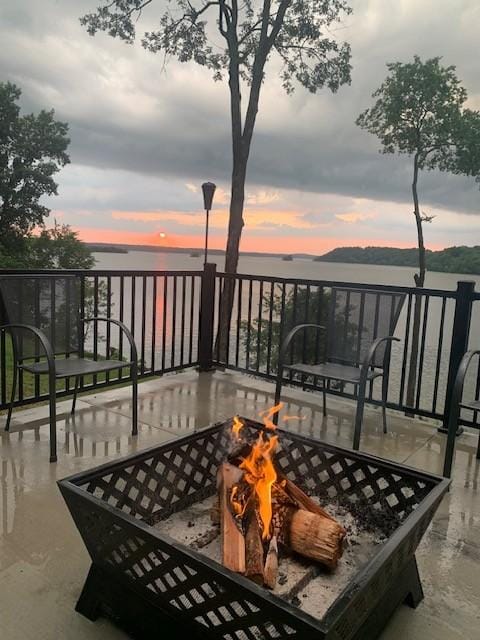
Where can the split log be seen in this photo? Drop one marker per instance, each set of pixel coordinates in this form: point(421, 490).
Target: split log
point(316, 537)
point(304, 501)
point(233, 542)
point(270, 570)
point(254, 550)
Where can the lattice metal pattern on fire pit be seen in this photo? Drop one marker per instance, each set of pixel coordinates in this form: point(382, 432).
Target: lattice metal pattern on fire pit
point(201, 595)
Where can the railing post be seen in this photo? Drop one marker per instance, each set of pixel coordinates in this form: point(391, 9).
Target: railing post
point(460, 334)
point(207, 310)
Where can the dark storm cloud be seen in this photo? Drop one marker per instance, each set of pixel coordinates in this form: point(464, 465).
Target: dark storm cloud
point(126, 113)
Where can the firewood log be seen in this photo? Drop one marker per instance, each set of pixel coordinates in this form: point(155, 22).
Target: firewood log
point(302, 500)
point(270, 570)
point(254, 550)
point(233, 542)
point(316, 537)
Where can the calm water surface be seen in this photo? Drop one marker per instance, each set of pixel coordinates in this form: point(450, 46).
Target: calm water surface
point(299, 268)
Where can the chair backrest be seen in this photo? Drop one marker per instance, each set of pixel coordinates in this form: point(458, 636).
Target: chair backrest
point(50, 303)
point(357, 317)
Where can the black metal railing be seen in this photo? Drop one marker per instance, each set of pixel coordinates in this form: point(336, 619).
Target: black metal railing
point(161, 309)
point(266, 308)
point(177, 317)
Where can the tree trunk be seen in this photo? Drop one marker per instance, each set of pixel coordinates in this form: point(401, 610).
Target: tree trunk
point(419, 282)
point(241, 141)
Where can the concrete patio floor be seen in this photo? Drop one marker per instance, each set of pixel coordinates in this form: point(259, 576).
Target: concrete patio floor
point(43, 562)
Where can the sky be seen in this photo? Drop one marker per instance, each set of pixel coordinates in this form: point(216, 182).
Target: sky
point(145, 135)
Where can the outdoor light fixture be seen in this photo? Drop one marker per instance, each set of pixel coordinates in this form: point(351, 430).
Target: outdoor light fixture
point(208, 189)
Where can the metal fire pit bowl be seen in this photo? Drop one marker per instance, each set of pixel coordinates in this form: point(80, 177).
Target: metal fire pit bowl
point(152, 585)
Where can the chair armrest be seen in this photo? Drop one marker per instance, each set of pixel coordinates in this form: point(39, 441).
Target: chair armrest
point(462, 370)
point(367, 361)
point(455, 409)
point(289, 338)
point(124, 329)
point(44, 341)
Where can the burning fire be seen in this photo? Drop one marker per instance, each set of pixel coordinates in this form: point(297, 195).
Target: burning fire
point(237, 427)
point(259, 470)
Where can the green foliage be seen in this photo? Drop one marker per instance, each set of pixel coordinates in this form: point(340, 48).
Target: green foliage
point(56, 248)
point(32, 149)
point(296, 31)
point(451, 260)
point(59, 248)
point(302, 307)
point(419, 111)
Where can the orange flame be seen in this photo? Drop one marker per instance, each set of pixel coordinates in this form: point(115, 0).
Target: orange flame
point(268, 414)
point(260, 474)
point(237, 427)
point(259, 470)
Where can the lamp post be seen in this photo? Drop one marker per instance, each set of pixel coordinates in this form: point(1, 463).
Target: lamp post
point(208, 189)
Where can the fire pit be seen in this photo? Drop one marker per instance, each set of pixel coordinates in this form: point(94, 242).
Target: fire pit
point(155, 569)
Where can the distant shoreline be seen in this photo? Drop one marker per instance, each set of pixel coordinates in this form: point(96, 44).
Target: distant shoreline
point(461, 260)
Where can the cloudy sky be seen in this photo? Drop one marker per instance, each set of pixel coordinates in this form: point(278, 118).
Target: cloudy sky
point(145, 136)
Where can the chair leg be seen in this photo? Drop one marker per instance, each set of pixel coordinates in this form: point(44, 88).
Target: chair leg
point(478, 448)
point(52, 392)
point(135, 399)
point(362, 387)
point(12, 397)
point(75, 391)
point(384, 402)
point(324, 394)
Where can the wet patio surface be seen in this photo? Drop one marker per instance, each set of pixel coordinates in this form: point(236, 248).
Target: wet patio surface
point(43, 562)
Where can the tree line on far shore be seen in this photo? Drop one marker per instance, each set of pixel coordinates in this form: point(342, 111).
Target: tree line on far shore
point(450, 260)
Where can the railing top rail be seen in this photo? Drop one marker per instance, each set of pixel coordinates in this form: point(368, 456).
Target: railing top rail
point(99, 272)
point(443, 293)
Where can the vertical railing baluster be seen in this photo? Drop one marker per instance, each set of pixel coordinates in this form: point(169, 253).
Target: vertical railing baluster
point(154, 323)
point(219, 318)
point(20, 342)
point(3, 367)
point(439, 355)
point(133, 300)
point(36, 289)
point(174, 322)
point(281, 333)
point(108, 329)
point(320, 335)
point(144, 318)
point(120, 333)
point(307, 312)
point(294, 322)
point(164, 320)
point(249, 324)
point(270, 325)
point(95, 324)
point(182, 318)
point(192, 319)
point(426, 303)
point(403, 377)
point(239, 321)
point(259, 324)
point(81, 325)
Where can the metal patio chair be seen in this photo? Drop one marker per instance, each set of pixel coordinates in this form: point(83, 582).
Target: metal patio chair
point(43, 316)
point(456, 406)
point(357, 346)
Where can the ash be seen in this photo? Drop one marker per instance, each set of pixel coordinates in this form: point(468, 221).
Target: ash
point(301, 582)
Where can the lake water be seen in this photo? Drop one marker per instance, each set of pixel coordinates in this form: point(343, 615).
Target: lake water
point(298, 268)
point(435, 350)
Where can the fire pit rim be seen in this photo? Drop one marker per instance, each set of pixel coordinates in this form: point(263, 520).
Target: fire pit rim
point(336, 609)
